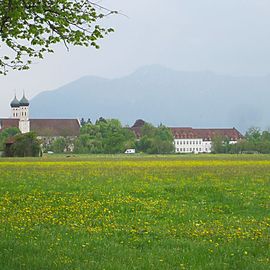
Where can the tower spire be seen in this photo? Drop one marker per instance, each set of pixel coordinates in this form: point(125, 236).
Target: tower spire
point(24, 123)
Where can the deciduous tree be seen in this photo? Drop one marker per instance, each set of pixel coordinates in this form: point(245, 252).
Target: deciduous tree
point(25, 145)
point(105, 136)
point(156, 140)
point(30, 28)
point(6, 133)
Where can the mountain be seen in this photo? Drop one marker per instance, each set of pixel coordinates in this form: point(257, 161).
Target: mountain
point(161, 95)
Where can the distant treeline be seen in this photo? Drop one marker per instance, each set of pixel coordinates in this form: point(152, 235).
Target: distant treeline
point(108, 136)
point(255, 141)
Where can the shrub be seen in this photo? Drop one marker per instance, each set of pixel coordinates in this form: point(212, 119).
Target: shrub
point(25, 145)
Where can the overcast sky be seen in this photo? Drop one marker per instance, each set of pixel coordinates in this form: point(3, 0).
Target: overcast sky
point(224, 36)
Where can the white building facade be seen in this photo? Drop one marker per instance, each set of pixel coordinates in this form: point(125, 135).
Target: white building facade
point(192, 146)
point(189, 140)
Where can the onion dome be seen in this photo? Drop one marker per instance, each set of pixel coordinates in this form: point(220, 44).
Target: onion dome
point(15, 103)
point(24, 101)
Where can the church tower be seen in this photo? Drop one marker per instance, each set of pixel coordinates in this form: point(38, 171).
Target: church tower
point(24, 123)
point(15, 108)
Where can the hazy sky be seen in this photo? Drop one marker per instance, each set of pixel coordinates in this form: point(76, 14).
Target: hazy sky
point(224, 36)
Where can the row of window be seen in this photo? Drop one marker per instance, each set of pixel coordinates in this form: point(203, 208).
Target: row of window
point(16, 114)
point(191, 150)
point(187, 142)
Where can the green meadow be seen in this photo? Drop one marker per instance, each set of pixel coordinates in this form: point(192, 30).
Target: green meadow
point(135, 212)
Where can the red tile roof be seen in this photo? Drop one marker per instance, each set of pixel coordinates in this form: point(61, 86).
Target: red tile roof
point(47, 127)
point(55, 127)
point(206, 134)
point(8, 123)
point(137, 128)
point(194, 133)
point(139, 123)
point(137, 131)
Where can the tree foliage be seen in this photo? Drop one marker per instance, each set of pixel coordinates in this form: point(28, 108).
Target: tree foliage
point(255, 141)
point(155, 140)
point(30, 28)
point(59, 145)
point(25, 145)
point(108, 136)
point(221, 145)
point(253, 135)
point(7, 133)
point(105, 136)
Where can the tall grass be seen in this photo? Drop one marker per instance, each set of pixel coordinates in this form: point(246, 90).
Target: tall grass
point(135, 213)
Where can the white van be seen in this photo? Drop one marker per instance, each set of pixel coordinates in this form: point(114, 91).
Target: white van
point(130, 151)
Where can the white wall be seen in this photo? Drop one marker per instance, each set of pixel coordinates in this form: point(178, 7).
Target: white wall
point(15, 113)
point(24, 126)
point(192, 146)
point(24, 113)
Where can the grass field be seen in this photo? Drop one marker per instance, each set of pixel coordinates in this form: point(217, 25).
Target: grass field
point(141, 212)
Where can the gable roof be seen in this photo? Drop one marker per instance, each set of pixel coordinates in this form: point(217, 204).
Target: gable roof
point(8, 123)
point(47, 127)
point(206, 134)
point(55, 127)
